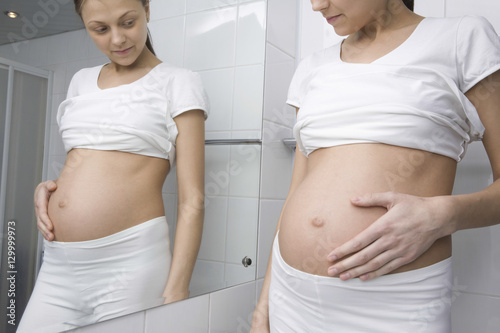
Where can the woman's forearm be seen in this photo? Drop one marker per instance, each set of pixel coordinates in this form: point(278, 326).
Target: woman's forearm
point(476, 210)
point(188, 235)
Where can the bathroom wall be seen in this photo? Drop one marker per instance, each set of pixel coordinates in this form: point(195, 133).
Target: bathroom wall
point(476, 253)
point(232, 68)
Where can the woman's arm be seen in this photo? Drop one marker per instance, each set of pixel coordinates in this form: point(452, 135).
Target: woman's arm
point(260, 320)
point(42, 195)
point(190, 154)
point(413, 224)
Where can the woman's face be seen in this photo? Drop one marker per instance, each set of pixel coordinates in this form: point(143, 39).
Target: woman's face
point(118, 28)
point(349, 16)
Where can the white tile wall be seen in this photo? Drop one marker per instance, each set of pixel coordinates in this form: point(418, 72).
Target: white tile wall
point(430, 8)
point(218, 175)
point(245, 171)
point(219, 84)
point(133, 323)
point(168, 39)
point(475, 313)
point(283, 25)
point(248, 97)
point(165, 9)
point(207, 275)
point(231, 309)
point(251, 32)
point(475, 261)
point(242, 230)
point(279, 72)
point(310, 33)
point(211, 34)
point(235, 273)
point(199, 5)
point(213, 244)
point(190, 316)
point(270, 213)
point(275, 156)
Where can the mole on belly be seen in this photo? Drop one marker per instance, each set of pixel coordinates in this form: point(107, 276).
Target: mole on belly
point(318, 222)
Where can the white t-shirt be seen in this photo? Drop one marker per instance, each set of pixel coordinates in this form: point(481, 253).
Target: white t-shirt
point(412, 97)
point(136, 117)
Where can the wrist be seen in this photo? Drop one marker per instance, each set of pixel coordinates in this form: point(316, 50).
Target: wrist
point(176, 293)
point(261, 314)
point(448, 206)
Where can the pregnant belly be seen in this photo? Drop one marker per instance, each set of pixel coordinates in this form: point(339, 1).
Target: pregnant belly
point(102, 195)
point(319, 215)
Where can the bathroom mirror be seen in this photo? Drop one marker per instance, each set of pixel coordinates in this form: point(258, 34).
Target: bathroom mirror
point(224, 41)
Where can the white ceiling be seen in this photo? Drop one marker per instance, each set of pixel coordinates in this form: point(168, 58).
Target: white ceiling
point(37, 18)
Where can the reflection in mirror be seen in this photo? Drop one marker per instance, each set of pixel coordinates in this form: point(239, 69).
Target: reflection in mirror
point(223, 42)
point(233, 76)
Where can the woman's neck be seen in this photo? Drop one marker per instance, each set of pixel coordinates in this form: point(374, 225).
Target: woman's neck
point(386, 21)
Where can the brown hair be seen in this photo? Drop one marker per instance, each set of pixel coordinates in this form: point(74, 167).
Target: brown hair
point(410, 4)
point(149, 44)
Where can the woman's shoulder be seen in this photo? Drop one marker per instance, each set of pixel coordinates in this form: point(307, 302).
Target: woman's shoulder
point(85, 79)
point(171, 75)
point(166, 68)
point(85, 73)
point(451, 25)
point(324, 56)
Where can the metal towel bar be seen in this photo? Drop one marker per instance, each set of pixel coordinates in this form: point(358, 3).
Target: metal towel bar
point(290, 143)
point(234, 142)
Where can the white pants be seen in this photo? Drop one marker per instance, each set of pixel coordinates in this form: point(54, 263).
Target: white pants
point(409, 302)
point(85, 282)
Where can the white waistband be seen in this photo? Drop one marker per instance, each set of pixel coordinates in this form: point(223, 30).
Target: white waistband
point(108, 239)
point(403, 277)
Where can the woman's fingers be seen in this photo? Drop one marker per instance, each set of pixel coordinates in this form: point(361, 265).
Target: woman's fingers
point(395, 239)
point(45, 232)
point(385, 199)
point(357, 254)
point(370, 263)
point(358, 243)
point(41, 198)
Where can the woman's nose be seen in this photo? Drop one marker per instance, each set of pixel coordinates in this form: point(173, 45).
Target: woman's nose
point(117, 37)
point(319, 5)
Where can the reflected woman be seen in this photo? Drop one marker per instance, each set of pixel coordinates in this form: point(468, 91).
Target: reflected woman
point(382, 120)
point(107, 248)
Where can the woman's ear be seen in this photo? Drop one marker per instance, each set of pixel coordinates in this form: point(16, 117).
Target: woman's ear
point(146, 8)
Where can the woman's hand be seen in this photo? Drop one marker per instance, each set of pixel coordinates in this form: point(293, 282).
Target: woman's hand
point(410, 226)
point(42, 194)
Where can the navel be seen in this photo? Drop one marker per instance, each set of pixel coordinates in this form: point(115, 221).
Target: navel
point(62, 203)
point(318, 222)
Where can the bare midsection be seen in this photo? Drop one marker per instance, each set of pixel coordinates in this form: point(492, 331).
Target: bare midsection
point(102, 192)
point(319, 215)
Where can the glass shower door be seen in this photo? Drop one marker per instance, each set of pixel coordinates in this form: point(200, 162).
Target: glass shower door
point(23, 105)
point(4, 81)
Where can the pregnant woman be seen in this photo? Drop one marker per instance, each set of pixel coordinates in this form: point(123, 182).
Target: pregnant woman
point(382, 120)
point(106, 248)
